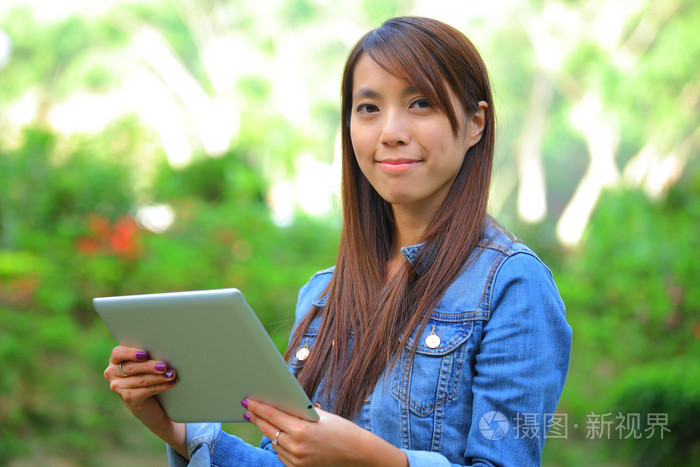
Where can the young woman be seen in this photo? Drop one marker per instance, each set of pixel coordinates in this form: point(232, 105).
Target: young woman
point(438, 338)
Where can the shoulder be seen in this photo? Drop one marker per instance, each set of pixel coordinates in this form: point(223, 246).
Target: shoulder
point(503, 249)
point(500, 256)
point(499, 239)
point(517, 274)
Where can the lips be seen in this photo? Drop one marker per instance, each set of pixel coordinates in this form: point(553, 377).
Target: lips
point(398, 165)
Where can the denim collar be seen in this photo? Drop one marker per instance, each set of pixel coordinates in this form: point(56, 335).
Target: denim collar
point(410, 252)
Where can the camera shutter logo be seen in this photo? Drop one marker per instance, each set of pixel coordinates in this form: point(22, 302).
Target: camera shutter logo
point(493, 425)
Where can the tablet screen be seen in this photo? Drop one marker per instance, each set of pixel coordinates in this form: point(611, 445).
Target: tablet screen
point(218, 347)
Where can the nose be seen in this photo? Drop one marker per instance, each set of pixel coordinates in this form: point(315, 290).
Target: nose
point(395, 130)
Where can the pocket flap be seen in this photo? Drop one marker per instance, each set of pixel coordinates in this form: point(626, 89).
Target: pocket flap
point(444, 333)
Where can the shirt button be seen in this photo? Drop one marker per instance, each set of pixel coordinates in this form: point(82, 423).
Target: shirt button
point(432, 341)
point(302, 354)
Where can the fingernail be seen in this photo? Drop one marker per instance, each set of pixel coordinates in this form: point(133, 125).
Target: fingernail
point(141, 355)
point(160, 366)
point(172, 382)
point(244, 403)
point(169, 373)
point(246, 417)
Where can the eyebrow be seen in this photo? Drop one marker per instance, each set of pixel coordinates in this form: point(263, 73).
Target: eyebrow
point(364, 92)
point(372, 94)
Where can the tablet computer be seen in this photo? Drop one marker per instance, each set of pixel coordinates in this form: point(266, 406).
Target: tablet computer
point(218, 347)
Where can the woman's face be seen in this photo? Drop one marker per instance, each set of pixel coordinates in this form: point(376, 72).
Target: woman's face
point(403, 144)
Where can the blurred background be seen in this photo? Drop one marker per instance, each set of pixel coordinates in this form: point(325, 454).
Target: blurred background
point(163, 145)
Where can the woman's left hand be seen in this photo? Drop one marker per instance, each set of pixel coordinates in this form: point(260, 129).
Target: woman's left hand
point(332, 440)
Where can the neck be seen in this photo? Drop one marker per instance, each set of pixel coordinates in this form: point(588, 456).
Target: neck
point(410, 224)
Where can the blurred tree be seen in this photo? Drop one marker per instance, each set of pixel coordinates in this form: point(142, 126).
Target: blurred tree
point(600, 79)
point(607, 79)
point(49, 66)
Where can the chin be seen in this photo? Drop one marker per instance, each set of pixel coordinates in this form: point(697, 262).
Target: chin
point(399, 199)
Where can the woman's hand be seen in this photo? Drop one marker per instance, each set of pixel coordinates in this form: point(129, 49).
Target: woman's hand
point(332, 440)
point(136, 379)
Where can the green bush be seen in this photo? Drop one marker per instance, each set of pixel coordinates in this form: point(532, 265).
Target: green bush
point(68, 232)
point(667, 393)
point(633, 303)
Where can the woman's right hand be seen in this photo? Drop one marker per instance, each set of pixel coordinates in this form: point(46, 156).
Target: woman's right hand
point(136, 379)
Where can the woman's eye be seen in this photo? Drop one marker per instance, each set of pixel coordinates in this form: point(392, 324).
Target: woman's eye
point(367, 108)
point(421, 103)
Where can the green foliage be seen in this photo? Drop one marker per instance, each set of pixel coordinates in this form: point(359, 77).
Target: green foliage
point(632, 301)
point(170, 19)
point(59, 58)
point(664, 76)
point(69, 235)
point(378, 12)
point(43, 188)
point(666, 391)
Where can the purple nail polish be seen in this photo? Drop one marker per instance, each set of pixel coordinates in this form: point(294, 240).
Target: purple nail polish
point(141, 355)
point(172, 382)
point(160, 366)
point(244, 403)
point(246, 417)
point(169, 373)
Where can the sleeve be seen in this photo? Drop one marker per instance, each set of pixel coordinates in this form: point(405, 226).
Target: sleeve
point(426, 459)
point(208, 444)
point(520, 369)
point(521, 365)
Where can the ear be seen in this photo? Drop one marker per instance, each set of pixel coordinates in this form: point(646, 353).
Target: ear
point(476, 124)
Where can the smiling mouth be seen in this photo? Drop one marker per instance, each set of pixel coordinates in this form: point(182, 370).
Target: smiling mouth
point(399, 165)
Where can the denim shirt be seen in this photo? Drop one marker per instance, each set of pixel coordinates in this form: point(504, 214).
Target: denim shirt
point(483, 392)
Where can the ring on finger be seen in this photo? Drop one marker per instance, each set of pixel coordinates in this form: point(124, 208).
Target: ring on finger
point(121, 370)
point(274, 441)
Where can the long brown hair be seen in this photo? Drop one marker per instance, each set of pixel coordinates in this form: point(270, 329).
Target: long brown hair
point(367, 320)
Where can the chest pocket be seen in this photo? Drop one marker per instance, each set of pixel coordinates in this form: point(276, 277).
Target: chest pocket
point(308, 340)
point(433, 378)
point(302, 352)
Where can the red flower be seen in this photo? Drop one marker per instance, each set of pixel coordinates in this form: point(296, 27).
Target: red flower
point(121, 240)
